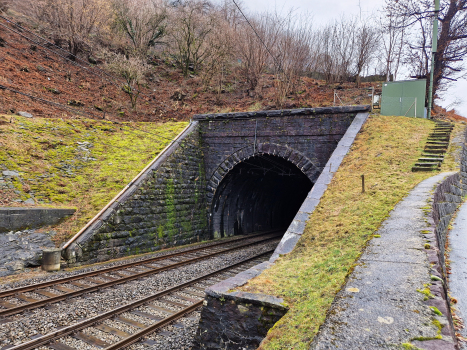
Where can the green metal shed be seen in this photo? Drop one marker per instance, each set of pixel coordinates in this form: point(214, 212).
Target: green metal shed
point(404, 98)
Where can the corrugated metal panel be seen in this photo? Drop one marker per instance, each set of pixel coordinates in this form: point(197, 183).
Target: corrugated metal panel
point(404, 98)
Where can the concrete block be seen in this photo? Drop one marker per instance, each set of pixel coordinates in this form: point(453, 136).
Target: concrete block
point(15, 219)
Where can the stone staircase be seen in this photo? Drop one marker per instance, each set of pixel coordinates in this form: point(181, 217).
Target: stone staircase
point(435, 148)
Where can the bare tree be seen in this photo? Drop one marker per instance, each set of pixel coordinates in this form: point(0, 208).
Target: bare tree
point(191, 24)
point(367, 41)
point(219, 58)
point(336, 44)
point(4, 5)
point(452, 37)
point(392, 41)
point(74, 21)
point(255, 39)
point(132, 70)
point(143, 22)
point(292, 53)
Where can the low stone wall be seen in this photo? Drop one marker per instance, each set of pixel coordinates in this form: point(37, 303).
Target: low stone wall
point(165, 207)
point(446, 200)
point(15, 219)
point(237, 320)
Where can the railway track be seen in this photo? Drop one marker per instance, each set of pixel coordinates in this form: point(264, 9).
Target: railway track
point(59, 289)
point(166, 307)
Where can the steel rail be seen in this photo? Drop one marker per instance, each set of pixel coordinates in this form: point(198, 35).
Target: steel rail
point(45, 339)
point(151, 329)
point(36, 286)
point(51, 300)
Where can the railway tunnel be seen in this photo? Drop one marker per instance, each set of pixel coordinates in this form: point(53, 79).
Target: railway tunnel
point(260, 194)
point(226, 174)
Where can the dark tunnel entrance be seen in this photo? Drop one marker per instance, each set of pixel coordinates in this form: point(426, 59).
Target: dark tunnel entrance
point(261, 193)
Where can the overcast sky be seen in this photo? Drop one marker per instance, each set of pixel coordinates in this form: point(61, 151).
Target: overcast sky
point(323, 11)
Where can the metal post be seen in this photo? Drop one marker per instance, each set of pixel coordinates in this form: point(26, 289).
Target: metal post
point(434, 49)
point(256, 129)
point(415, 107)
point(372, 98)
point(363, 183)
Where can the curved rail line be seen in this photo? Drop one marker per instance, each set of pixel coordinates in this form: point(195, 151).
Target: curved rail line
point(146, 267)
point(51, 340)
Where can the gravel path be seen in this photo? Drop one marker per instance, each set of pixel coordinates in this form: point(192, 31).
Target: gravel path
point(46, 320)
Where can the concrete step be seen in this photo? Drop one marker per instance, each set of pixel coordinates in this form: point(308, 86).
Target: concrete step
point(438, 143)
point(419, 168)
point(437, 152)
point(432, 164)
point(435, 146)
point(433, 155)
point(431, 159)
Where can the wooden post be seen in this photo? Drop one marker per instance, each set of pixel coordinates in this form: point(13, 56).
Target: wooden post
point(363, 183)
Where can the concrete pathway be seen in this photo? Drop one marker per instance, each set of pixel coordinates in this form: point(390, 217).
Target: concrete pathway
point(380, 307)
point(458, 257)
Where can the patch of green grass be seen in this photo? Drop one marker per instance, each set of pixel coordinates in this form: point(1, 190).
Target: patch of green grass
point(343, 222)
point(62, 171)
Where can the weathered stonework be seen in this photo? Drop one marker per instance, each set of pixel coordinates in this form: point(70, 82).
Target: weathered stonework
point(165, 207)
point(222, 324)
point(172, 202)
point(15, 219)
point(236, 320)
point(234, 144)
point(305, 137)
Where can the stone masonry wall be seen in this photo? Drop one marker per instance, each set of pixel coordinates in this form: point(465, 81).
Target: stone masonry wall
point(233, 320)
point(312, 133)
point(447, 198)
point(166, 207)
point(237, 320)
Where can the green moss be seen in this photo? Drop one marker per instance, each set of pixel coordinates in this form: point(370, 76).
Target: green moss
point(61, 174)
point(427, 338)
point(409, 346)
point(436, 311)
point(426, 291)
point(170, 207)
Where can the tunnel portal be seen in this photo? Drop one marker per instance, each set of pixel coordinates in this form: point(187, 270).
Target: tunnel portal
point(261, 193)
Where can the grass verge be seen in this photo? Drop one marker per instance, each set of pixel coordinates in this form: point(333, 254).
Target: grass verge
point(338, 230)
point(78, 163)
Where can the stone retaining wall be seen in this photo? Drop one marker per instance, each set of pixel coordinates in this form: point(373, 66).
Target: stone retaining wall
point(14, 219)
point(446, 199)
point(165, 207)
point(238, 320)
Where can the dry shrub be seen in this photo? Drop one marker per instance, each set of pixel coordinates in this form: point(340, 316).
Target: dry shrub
point(132, 70)
point(4, 5)
point(77, 22)
point(142, 22)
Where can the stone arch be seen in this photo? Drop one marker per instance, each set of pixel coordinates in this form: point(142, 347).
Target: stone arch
point(297, 158)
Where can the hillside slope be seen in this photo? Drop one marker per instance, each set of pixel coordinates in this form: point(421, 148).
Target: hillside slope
point(35, 67)
point(80, 163)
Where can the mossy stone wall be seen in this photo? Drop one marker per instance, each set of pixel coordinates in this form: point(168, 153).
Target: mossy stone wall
point(165, 208)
